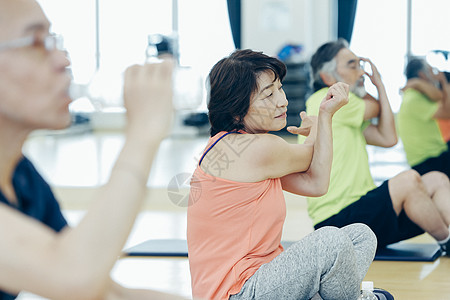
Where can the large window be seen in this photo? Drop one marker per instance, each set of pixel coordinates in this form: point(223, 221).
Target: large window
point(76, 21)
point(430, 28)
point(381, 33)
point(115, 35)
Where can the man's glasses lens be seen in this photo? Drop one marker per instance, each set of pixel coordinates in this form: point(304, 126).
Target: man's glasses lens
point(53, 42)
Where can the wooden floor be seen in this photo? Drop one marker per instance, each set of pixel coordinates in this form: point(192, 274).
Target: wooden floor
point(163, 217)
point(413, 280)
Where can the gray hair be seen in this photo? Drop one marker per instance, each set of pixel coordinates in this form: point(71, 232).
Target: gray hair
point(322, 61)
point(329, 67)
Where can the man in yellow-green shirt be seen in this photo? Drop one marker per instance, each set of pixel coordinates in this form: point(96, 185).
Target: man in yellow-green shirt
point(400, 208)
point(424, 111)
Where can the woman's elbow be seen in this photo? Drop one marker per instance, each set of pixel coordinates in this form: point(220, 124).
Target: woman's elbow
point(318, 190)
point(322, 191)
point(391, 142)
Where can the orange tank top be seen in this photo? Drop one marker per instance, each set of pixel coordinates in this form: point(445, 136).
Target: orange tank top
point(232, 229)
point(444, 126)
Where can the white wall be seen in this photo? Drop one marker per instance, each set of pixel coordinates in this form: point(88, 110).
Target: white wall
point(268, 25)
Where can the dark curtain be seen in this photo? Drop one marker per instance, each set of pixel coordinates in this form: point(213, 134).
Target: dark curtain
point(234, 13)
point(346, 18)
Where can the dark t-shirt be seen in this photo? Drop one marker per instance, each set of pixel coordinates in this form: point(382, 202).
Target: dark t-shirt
point(35, 199)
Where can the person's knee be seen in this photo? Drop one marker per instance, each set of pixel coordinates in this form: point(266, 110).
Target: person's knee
point(435, 180)
point(335, 239)
point(345, 238)
point(410, 180)
point(404, 186)
point(365, 231)
point(328, 230)
point(360, 233)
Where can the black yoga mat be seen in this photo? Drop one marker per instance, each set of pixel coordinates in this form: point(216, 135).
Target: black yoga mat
point(396, 252)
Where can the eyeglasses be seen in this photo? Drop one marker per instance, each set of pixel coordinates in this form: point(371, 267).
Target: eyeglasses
point(50, 43)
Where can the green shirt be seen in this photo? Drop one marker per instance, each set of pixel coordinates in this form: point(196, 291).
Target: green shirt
point(417, 128)
point(350, 173)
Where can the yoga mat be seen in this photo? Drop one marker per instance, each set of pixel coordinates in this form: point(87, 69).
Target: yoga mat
point(167, 247)
point(396, 252)
point(402, 251)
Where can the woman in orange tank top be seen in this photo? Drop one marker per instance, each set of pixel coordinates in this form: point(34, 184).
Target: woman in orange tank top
point(237, 209)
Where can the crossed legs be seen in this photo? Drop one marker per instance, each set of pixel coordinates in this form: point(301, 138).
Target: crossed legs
point(425, 200)
point(330, 262)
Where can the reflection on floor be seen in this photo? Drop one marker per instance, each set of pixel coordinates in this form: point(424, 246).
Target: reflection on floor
point(85, 160)
point(76, 164)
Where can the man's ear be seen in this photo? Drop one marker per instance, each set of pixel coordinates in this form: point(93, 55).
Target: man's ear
point(327, 78)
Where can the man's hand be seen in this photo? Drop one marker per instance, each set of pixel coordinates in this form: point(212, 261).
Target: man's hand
point(336, 97)
point(148, 97)
point(307, 125)
point(375, 77)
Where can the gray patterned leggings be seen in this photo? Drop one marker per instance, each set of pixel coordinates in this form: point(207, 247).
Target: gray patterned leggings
point(329, 263)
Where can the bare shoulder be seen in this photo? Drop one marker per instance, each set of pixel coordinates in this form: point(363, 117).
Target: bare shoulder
point(239, 156)
point(246, 147)
point(240, 143)
point(261, 149)
point(256, 144)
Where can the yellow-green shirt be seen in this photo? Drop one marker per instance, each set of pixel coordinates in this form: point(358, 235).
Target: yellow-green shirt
point(417, 128)
point(350, 174)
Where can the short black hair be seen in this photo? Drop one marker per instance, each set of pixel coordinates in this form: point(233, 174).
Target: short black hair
point(324, 54)
point(414, 67)
point(232, 82)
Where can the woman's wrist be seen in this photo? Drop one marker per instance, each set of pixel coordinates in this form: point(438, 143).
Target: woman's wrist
point(323, 113)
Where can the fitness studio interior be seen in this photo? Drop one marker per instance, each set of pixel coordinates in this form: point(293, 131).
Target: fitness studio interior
point(104, 37)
